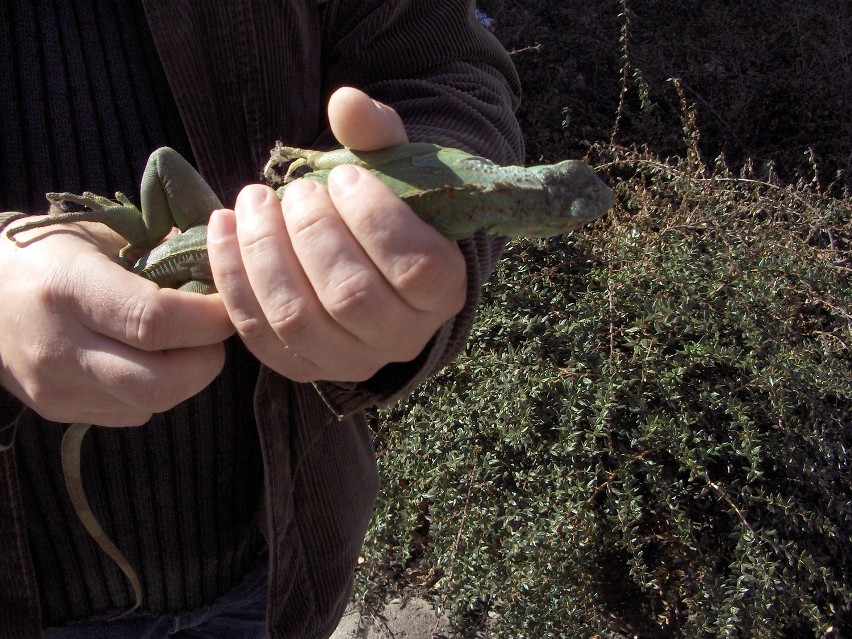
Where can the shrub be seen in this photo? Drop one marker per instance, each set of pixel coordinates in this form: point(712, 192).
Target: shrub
point(650, 431)
point(649, 434)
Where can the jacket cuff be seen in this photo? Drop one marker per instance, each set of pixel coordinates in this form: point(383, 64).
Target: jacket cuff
point(390, 384)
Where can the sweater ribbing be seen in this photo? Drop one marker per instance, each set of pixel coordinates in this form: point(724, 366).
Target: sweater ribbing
point(178, 495)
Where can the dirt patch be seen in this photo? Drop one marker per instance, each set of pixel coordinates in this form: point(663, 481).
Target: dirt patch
point(412, 619)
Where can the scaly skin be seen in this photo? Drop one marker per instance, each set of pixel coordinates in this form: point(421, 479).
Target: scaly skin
point(72, 442)
point(454, 191)
point(460, 194)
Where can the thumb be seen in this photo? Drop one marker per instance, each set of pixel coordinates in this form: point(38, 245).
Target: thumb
point(361, 123)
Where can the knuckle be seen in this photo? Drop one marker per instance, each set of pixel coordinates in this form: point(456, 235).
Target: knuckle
point(418, 271)
point(142, 391)
point(308, 221)
point(55, 289)
point(143, 320)
point(351, 296)
point(46, 352)
point(430, 276)
point(43, 379)
point(291, 318)
point(250, 328)
point(257, 242)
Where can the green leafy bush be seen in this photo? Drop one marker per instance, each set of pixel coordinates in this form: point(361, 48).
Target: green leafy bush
point(650, 432)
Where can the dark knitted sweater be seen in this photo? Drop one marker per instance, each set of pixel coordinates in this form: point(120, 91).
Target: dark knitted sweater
point(86, 102)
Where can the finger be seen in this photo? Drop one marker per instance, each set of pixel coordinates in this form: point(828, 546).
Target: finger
point(361, 123)
point(155, 382)
point(264, 288)
point(229, 274)
point(318, 249)
point(89, 375)
point(365, 311)
point(123, 306)
point(425, 269)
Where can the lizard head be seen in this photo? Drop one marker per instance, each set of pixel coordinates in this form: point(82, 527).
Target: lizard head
point(576, 196)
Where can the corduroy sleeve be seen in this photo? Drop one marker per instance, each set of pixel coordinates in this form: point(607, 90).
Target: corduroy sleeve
point(453, 84)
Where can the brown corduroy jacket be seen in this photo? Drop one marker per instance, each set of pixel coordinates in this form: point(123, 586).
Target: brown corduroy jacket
point(245, 74)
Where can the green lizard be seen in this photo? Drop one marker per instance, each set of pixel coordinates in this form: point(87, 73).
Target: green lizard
point(456, 192)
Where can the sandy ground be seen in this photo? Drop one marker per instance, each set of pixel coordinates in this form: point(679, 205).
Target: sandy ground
point(414, 619)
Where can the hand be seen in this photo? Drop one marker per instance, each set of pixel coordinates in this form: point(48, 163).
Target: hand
point(333, 285)
point(84, 340)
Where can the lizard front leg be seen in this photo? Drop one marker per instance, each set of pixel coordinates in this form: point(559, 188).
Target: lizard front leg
point(173, 194)
point(120, 215)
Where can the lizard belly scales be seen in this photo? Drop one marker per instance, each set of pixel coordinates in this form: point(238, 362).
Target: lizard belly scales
point(458, 193)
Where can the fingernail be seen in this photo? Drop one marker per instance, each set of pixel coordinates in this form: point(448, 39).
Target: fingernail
point(342, 179)
point(298, 189)
point(221, 226)
point(252, 197)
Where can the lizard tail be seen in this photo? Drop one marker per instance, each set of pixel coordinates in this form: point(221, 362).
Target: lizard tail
point(72, 443)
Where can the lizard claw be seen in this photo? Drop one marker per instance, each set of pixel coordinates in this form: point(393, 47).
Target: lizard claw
point(292, 157)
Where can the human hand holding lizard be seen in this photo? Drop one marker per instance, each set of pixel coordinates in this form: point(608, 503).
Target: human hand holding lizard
point(333, 285)
point(85, 340)
point(327, 285)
